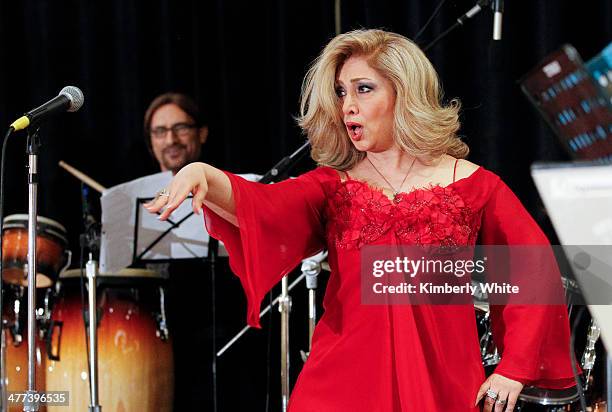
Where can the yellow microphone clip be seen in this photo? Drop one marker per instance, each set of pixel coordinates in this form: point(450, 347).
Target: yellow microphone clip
point(21, 123)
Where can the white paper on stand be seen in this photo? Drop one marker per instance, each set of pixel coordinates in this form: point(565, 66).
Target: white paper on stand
point(578, 200)
point(188, 240)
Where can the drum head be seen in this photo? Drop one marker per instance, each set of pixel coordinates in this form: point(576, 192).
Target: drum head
point(556, 397)
point(45, 225)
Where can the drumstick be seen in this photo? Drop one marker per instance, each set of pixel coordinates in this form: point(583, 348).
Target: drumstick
point(82, 177)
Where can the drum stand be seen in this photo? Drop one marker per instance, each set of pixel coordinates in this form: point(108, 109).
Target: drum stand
point(92, 273)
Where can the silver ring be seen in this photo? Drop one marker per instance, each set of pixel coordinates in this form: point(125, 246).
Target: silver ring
point(501, 401)
point(163, 193)
point(492, 394)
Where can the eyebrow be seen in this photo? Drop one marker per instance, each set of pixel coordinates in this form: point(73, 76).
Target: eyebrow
point(357, 79)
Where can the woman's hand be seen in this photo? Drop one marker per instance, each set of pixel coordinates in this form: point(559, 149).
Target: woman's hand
point(507, 392)
point(190, 179)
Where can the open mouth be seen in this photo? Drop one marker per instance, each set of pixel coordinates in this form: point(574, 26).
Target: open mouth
point(355, 130)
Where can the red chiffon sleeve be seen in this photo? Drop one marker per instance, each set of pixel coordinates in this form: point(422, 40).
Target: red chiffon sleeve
point(533, 339)
point(278, 225)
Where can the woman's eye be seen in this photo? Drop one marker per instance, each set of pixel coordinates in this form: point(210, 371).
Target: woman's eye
point(364, 88)
point(340, 92)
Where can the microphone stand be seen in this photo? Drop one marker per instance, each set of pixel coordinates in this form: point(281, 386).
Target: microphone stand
point(284, 306)
point(311, 268)
point(282, 167)
point(459, 22)
point(33, 146)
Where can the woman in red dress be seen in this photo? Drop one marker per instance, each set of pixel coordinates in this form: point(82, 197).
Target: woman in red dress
point(391, 171)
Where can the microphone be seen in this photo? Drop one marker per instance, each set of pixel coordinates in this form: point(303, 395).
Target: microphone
point(70, 99)
point(498, 11)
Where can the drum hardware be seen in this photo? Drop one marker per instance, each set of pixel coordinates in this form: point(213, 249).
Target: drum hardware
point(16, 328)
point(488, 350)
point(160, 318)
point(50, 343)
point(92, 273)
point(589, 355)
point(43, 315)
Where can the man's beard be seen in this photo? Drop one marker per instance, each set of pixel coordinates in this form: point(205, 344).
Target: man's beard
point(175, 163)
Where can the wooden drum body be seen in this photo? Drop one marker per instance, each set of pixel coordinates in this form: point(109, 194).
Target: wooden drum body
point(135, 365)
point(51, 244)
point(16, 343)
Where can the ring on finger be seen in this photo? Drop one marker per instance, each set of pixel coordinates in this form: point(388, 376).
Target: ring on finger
point(492, 394)
point(163, 193)
point(501, 401)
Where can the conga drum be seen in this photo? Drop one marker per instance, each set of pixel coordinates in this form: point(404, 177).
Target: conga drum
point(135, 361)
point(16, 343)
point(51, 245)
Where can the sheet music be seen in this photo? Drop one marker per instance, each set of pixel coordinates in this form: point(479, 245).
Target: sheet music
point(189, 240)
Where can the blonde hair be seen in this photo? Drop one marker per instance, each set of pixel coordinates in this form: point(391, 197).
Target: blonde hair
point(423, 126)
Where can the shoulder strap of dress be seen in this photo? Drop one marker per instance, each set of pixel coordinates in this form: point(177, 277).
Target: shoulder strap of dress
point(348, 177)
point(455, 170)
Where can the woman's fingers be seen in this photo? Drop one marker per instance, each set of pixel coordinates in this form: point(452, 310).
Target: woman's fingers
point(481, 392)
point(489, 404)
point(189, 179)
point(199, 194)
point(512, 398)
point(500, 402)
point(500, 393)
point(158, 202)
point(174, 200)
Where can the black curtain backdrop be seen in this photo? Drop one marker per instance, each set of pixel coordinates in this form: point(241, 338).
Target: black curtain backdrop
point(244, 62)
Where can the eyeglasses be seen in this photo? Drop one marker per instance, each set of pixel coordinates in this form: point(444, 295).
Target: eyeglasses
point(179, 129)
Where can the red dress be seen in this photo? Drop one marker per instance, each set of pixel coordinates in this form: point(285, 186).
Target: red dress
point(391, 358)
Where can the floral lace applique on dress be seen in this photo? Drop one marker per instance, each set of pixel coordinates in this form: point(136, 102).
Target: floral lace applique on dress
point(360, 214)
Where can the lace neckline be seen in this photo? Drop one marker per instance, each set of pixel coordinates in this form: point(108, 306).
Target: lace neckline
point(401, 195)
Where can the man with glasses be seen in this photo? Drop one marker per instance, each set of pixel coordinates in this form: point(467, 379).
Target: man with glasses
point(174, 131)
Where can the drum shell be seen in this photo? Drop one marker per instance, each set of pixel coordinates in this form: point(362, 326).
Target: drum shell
point(135, 367)
point(17, 352)
point(50, 250)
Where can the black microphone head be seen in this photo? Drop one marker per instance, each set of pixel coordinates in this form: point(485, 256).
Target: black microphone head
point(75, 95)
